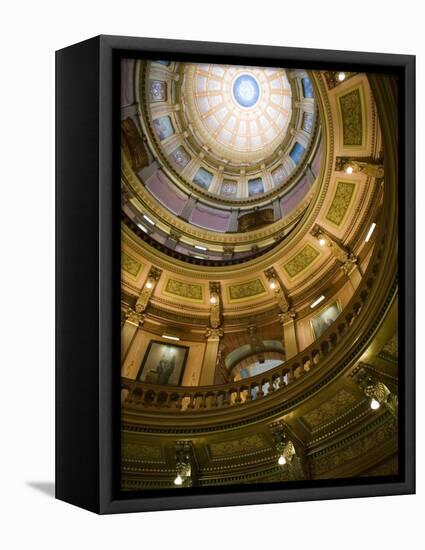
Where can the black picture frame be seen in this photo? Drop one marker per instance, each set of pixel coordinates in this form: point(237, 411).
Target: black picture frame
point(87, 277)
point(147, 355)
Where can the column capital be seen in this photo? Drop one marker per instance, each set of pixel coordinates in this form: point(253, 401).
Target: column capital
point(154, 273)
point(283, 444)
point(134, 317)
point(277, 287)
point(287, 316)
point(349, 264)
point(214, 333)
point(228, 250)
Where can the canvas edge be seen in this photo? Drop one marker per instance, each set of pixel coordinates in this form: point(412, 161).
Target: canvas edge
point(110, 44)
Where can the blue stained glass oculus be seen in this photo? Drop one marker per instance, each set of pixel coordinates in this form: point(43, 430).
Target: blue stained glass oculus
point(246, 90)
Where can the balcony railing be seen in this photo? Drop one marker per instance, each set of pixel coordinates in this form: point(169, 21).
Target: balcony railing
point(246, 390)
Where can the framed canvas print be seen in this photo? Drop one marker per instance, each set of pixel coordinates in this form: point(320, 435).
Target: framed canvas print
point(235, 274)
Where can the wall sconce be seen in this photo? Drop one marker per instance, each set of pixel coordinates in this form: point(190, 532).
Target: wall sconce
point(287, 452)
point(377, 392)
point(281, 460)
point(183, 464)
point(374, 404)
point(273, 284)
point(284, 446)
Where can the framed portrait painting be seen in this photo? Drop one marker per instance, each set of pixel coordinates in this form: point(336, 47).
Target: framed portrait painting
point(324, 319)
point(242, 219)
point(163, 364)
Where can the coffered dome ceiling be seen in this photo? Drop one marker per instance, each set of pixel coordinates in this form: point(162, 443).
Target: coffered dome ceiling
point(238, 133)
point(236, 153)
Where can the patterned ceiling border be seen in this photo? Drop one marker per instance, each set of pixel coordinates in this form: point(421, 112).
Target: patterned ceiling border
point(301, 261)
point(327, 411)
point(130, 265)
point(246, 290)
point(353, 104)
point(343, 198)
point(185, 290)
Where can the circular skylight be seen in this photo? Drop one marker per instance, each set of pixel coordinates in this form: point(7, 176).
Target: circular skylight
point(246, 90)
point(241, 114)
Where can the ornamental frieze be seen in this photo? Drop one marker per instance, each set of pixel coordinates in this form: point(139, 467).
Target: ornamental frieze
point(340, 202)
point(130, 265)
point(301, 261)
point(246, 290)
point(182, 289)
point(352, 120)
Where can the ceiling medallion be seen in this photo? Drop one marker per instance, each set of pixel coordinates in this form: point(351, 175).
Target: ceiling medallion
point(246, 90)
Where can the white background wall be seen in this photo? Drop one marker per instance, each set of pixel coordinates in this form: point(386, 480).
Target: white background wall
point(30, 31)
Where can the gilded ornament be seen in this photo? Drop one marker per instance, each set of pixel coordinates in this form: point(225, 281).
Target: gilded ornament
point(301, 261)
point(245, 290)
point(130, 265)
point(189, 291)
point(341, 202)
point(352, 121)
